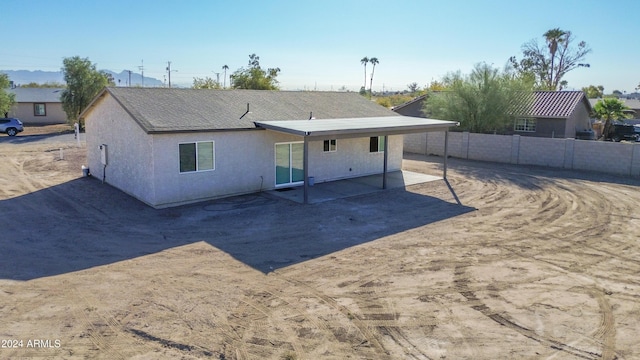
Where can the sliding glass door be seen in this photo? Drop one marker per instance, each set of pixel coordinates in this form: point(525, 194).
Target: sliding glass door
point(289, 163)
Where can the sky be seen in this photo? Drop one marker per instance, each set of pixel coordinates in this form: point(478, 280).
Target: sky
point(318, 44)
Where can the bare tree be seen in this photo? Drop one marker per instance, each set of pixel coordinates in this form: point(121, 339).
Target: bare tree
point(549, 64)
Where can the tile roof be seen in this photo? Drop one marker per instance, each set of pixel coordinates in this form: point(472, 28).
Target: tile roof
point(550, 104)
point(175, 110)
point(33, 95)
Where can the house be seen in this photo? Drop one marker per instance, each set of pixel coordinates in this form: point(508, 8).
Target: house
point(412, 108)
point(557, 114)
point(168, 147)
point(38, 106)
point(632, 104)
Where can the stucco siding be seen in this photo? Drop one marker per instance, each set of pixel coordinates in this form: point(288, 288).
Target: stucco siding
point(129, 150)
point(245, 163)
point(580, 119)
point(352, 159)
point(25, 112)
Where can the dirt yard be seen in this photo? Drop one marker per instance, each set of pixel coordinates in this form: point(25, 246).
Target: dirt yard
point(506, 263)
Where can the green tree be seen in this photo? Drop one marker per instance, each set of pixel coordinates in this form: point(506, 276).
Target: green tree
point(205, 83)
point(413, 87)
point(480, 101)
point(254, 77)
point(45, 85)
point(364, 61)
point(84, 83)
point(593, 92)
point(393, 100)
point(548, 65)
point(609, 110)
point(7, 99)
point(436, 86)
point(374, 61)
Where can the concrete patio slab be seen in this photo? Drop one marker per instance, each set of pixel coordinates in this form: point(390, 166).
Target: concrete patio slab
point(339, 189)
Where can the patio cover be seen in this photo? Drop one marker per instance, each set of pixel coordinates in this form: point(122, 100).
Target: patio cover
point(356, 127)
point(317, 129)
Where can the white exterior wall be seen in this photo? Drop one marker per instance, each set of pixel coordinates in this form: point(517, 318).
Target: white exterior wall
point(245, 163)
point(129, 150)
point(352, 159)
point(147, 166)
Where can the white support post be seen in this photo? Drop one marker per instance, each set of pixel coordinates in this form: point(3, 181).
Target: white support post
point(305, 164)
point(446, 153)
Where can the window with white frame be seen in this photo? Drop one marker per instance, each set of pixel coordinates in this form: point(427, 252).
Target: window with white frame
point(330, 145)
point(376, 144)
point(197, 156)
point(39, 109)
point(525, 125)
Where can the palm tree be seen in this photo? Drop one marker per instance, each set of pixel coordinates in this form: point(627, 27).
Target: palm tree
point(364, 62)
point(553, 38)
point(225, 68)
point(373, 61)
point(609, 109)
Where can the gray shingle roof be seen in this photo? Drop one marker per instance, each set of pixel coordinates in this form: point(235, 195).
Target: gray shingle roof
point(175, 110)
point(550, 104)
point(37, 95)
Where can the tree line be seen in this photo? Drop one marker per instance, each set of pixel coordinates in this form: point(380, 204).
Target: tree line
point(483, 101)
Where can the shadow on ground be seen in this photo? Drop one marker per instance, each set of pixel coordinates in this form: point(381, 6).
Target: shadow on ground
point(84, 223)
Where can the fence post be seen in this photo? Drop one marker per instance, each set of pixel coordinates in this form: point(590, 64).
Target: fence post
point(515, 149)
point(465, 144)
point(569, 146)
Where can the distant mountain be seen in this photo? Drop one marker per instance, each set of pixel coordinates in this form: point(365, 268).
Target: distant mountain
point(23, 77)
point(122, 79)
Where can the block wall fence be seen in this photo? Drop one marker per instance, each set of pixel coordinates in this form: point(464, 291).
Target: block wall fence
point(600, 156)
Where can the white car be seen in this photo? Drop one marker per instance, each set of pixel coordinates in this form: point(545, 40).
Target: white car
point(10, 126)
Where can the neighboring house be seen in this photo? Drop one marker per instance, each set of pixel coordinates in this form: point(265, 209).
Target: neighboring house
point(412, 107)
point(632, 104)
point(38, 106)
point(168, 147)
point(557, 114)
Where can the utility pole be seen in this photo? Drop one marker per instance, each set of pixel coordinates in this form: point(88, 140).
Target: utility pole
point(169, 72)
point(129, 71)
point(142, 70)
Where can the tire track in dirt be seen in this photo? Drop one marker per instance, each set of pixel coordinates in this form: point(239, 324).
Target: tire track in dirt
point(461, 283)
point(369, 337)
point(606, 331)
